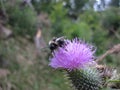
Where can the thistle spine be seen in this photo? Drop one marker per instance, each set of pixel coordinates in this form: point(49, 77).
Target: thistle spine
point(85, 79)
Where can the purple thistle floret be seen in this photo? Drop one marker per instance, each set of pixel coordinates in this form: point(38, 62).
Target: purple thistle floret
point(74, 54)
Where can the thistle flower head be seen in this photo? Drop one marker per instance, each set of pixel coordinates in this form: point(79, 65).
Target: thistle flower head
point(75, 54)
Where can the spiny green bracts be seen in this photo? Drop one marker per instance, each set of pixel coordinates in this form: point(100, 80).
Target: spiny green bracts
point(85, 79)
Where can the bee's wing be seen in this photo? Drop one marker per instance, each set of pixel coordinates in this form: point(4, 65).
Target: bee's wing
point(61, 38)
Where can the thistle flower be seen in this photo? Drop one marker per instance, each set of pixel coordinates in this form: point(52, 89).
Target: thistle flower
point(75, 57)
point(75, 54)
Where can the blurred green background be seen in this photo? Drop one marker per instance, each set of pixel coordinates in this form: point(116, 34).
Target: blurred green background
point(26, 26)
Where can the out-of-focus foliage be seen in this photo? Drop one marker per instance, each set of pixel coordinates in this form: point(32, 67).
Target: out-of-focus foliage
point(21, 17)
point(111, 21)
point(70, 18)
point(43, 5)
point(64, 25)
point(115, 3)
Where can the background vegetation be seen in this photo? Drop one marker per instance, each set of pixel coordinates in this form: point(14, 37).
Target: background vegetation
point(25, 67)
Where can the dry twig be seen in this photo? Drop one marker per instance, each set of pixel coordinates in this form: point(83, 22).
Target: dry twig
point(115, 49)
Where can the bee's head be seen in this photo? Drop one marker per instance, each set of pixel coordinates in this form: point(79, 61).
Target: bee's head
point(56, 42)
point(52, 45)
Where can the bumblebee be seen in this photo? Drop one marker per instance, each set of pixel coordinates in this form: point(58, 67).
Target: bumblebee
point(56, 42)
